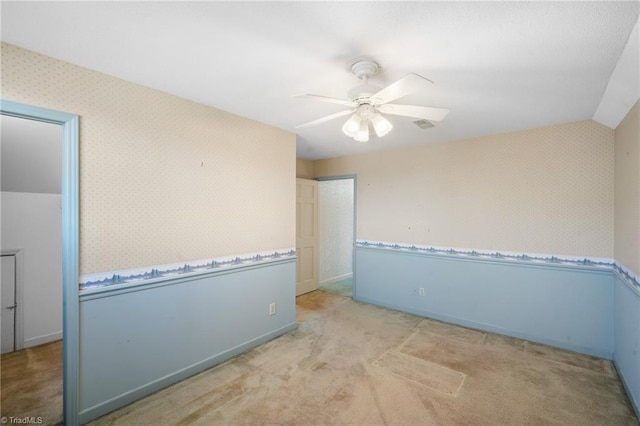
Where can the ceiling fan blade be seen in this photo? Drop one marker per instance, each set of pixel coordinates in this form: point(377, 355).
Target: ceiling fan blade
point(428, 113)
point(407, 84)
point(327, 118)
point(346, 102)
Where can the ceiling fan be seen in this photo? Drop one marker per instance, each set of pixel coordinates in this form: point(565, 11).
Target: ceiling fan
point(368, 102)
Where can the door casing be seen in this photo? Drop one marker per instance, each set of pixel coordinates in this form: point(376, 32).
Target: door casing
point(70, 243)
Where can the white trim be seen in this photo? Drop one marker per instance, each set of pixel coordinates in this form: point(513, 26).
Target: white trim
point(41, 340)
point(336, 279)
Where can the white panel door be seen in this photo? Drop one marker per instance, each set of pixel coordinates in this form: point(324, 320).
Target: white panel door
point(306, 236)
point(8, 303)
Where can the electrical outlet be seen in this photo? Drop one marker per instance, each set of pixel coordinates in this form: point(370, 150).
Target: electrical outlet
point(421, 291)
point(272, 309)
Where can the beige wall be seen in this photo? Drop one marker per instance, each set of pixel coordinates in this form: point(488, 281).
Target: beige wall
point(627, 190)
point(304, 169)
point(546, 190)
point(162, 179)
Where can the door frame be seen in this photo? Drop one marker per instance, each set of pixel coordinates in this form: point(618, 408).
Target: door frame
point(355, 227)
point(70, 244)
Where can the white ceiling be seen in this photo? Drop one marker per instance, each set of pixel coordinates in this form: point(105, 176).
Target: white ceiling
point(498, 66)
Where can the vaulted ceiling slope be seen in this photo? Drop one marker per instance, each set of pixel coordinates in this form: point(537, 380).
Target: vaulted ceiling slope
point(498, 66)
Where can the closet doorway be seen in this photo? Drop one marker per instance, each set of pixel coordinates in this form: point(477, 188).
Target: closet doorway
point(336, 233)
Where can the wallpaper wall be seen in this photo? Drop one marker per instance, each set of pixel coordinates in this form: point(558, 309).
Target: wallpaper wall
point(546, 190)
point(162, 179)
point(335, 228)
point(304, 169)
point(627, 190)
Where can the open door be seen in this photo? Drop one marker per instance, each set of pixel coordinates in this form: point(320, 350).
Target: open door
point(8, 300)
point(306, 236)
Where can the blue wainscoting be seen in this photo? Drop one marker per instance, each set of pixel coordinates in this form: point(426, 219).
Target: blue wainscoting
point(564, 305)
point(137, 339)
point(626, 320)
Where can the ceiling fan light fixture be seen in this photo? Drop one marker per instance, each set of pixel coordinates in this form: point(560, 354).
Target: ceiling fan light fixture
point(352, 125)
point(367, 102)
point(381, 125)
point(362, 135)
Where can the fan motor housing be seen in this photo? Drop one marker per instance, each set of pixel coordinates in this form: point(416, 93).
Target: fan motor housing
point(363, 92)
point(366, 111)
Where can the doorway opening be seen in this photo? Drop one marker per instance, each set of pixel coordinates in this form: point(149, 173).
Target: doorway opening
point(68, 263)
point(31, 231)
point(336, 233)
point(31, 188)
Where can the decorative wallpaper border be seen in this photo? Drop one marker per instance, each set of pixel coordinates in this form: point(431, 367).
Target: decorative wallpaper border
point(632, 279)
point(174, 270)
point(629, 276)
point(129, 276)
point(496, 255)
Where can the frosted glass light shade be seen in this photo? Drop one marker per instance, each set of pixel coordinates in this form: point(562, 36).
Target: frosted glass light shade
point(352, 125)
point(381, 125)
point(362, 135)
point(357, 126)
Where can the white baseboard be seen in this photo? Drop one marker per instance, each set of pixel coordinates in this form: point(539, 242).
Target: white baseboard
point(41, 340)
point(336, 279)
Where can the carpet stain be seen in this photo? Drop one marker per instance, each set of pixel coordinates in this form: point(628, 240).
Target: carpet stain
point(318, 366)
point(209, 402)
point(451, 331)
point(341, 395)
point(313, 301)
point(376, 400)
point(422, 372)
point(587, 362)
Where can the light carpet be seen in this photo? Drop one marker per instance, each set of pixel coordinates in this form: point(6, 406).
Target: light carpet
point(354, 363)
